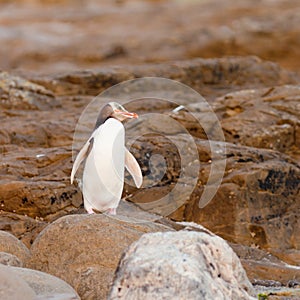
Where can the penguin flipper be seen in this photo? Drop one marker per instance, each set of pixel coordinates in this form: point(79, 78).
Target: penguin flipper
point(83, 153)
point(133, 168)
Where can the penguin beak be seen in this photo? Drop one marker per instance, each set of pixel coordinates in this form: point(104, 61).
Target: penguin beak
point(124, 114)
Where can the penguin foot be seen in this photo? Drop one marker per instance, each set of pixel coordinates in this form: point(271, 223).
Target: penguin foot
point(112, 211)
point(90, 211)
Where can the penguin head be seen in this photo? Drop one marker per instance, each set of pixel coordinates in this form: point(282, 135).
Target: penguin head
point(116, 111)
point(120, 113)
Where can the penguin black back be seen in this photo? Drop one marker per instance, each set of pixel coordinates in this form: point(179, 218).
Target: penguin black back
point(104, 114)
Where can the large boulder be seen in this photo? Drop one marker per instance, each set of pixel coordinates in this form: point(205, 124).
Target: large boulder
point(260, 265)
point(180, 265)
point(84, 250)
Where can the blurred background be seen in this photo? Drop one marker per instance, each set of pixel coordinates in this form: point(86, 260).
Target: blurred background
point(51, 36)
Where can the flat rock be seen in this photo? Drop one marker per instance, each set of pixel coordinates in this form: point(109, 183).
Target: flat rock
point(87, 249)
point(33, 183)
point(207, 76)
point(36, 130)
point(18, 93)
point(10, 244)
point(262, 266)
point(262, 118)
point(173, 265)
point(55, 36)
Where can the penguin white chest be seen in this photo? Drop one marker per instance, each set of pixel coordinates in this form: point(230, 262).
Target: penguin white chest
point(103, 175)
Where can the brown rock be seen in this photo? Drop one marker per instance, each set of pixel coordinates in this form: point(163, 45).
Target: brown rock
point(256, 203)
point(32, 182)
point(176, 265)
point(49, 38)
point(84, 250)
point(263, 118)
point(18, 93)
point(263, 266)
point(10, 244)
point(204, 75)
point(23, 227)
point(39, 128)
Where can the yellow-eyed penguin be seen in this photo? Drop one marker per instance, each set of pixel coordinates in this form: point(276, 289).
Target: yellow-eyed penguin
point(106, 157)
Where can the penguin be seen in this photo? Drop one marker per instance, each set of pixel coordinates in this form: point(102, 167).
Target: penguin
point(106, 158)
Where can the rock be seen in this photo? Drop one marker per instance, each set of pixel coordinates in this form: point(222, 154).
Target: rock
point(44, 285)
point(33, 183)
point(23, 227)
point(206, 76)
point(34, 130)
point(18, 93)
point(174, 265)
point(277, 293)
point(13, 287)
point(10, 244)
point(258, 193)
point(263, 118)
point(64, 42)
point(10, 260)
point(84, 250)
point(262, 266)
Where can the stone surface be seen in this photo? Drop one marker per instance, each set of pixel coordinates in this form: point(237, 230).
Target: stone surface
point(33, 183)
point(174, 265)
point(207, 76)
point(44, 285)
point(258, 193)
point(23, 227)
point(277, 293)
point(56, 35)
point(9, 260)
point(18, 93)
point(84, 250)
point(10, 244)
point(263, 266)
point(13, 287)
point(263, 118)
point(257, 202)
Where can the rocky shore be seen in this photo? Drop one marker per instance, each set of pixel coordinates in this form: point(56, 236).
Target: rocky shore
point(244, 244)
